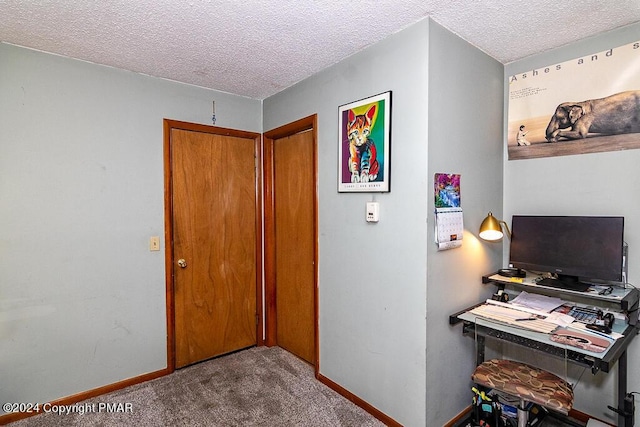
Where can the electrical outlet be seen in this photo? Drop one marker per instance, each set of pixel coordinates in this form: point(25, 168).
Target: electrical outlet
point(154, 243)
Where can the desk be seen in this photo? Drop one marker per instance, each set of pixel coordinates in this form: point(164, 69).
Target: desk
point(617, 352)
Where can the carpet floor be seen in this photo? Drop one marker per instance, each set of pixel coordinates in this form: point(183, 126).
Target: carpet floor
point(260, 386)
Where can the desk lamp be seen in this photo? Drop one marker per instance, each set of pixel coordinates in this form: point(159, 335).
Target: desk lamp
point(491, 229)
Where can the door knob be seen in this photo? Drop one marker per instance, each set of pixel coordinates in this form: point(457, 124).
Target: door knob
point(182, 263)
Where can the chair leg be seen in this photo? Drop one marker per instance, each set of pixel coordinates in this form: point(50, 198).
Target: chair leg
point(523, 414)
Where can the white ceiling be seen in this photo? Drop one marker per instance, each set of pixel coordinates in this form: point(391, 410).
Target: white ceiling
point(256, 48)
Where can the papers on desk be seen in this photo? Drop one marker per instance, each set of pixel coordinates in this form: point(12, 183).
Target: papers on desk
point(557, 318)
point(514, 317)
point(560, 319)
point(585, 341)
point(537, 302)
point(577, 326)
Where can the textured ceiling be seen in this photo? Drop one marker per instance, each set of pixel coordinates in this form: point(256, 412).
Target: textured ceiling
point(256, 48)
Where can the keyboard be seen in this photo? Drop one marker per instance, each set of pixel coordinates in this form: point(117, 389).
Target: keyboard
point(570, 286)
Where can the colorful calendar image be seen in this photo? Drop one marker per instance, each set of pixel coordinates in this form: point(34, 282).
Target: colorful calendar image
point(447, 190)
point(448, 223)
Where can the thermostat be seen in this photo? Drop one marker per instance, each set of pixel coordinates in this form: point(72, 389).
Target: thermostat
point(373, 211)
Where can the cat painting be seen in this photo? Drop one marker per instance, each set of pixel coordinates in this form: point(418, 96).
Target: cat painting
point(363, 162)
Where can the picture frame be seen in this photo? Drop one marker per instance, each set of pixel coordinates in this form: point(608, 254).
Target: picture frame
point(364, 145)
point(584, 105)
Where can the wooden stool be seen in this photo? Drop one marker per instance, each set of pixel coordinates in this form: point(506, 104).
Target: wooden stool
point(527, 383)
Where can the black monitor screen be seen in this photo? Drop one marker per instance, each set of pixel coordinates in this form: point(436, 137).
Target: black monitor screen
point(578, 246)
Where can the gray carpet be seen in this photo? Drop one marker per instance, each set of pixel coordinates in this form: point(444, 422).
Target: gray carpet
point(256, 387)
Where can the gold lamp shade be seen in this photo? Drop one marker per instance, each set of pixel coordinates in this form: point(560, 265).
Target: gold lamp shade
point(491, 229)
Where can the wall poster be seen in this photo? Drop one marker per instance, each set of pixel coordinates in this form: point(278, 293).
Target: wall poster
point(363, 139)
point(586, 105)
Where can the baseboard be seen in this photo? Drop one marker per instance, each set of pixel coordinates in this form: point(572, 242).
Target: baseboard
point(70, 400)
point(462, 415)
point(357, 401)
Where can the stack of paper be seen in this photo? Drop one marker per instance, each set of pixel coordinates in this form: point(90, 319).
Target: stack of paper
point(514, 317)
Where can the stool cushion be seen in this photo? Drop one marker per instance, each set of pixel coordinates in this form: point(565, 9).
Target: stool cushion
point(526, 382)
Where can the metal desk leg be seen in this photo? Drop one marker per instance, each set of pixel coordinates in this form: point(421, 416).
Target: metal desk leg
point(622, 386)
point(626, 407)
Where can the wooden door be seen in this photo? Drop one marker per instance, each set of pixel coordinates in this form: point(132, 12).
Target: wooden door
point(294, 236)
point(215, 242)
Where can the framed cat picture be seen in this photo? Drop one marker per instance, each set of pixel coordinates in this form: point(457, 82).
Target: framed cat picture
point(364, 140)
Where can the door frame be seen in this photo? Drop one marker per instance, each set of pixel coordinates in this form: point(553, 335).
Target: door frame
point(305, 124)
point(168, 226)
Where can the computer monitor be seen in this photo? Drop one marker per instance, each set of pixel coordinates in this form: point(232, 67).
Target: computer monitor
point(575, 248)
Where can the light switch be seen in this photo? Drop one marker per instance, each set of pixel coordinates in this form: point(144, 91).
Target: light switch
point(373, 211)
point(154, 243)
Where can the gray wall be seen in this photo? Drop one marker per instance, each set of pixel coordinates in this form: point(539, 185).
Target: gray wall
point(372, 277)
point(588, 184)
point(82, 299)
point(465, 137)
point(383, 286)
